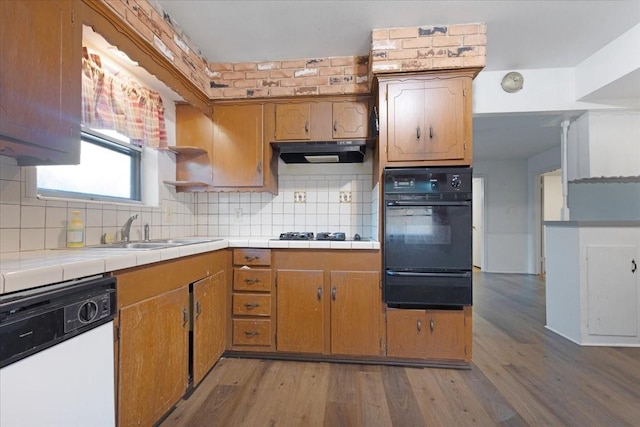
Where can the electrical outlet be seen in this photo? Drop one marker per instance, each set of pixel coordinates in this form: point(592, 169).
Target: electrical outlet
point(168, 213)
point(300, 196)
point(237, 215)
point(345, 197)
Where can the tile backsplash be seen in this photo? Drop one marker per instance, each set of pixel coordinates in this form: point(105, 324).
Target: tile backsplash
point(28, 223)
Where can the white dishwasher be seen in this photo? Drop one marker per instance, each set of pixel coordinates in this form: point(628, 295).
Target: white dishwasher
point(56, 355)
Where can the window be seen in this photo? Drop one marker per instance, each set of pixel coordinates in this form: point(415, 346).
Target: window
point(109, 170)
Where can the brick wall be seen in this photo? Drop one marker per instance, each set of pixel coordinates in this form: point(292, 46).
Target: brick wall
point(428, 48)
point(392, 50)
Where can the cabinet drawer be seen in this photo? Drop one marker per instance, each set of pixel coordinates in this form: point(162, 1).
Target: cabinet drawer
point(248, 256)
point(258, 280)
point(251, 332)
point(252, 304)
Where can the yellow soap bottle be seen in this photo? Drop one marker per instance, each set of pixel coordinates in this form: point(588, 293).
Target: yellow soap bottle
point(75, 231)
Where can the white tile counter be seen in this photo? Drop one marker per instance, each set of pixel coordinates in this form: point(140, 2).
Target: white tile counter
point(23, 270)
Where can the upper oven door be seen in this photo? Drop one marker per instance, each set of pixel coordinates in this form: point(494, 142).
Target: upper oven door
point(433, 235)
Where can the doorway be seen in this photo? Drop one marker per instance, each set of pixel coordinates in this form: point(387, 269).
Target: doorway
point(550, 190)
point(478, 219)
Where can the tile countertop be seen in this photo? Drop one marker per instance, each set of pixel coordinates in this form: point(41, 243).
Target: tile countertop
point(23, 270)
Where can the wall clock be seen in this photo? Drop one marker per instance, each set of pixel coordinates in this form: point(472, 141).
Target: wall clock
point(512, 82)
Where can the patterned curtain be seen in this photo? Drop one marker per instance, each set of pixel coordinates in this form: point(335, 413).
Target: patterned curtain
point(115, 101)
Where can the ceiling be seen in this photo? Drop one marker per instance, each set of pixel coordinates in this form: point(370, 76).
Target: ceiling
point(520, 35)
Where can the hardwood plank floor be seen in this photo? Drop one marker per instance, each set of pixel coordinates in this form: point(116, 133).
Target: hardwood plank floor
point(521, 374)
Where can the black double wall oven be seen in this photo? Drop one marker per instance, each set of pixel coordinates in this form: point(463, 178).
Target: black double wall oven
point(427, 250)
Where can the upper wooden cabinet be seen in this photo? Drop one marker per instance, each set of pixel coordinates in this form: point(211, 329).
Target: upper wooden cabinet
point(238, 147)
point(426, 119)
point(40, 82)
point(320, 120)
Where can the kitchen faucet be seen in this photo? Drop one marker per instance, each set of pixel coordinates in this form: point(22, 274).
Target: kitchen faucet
point(126, 228)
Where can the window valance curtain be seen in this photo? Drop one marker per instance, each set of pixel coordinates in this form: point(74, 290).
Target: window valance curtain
point(113, 100)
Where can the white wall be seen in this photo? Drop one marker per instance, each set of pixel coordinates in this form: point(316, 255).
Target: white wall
point(507, 234)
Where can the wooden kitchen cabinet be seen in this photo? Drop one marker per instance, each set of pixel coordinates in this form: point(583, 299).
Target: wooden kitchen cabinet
point(301, 299)
point(238, 158)
point(209, 315)
point(429, 334)
point(40, 84)
point(153, 362)
point(426, 119)
point(252, 311)
point(154, 323)
point(293, 121)
point(355, 312)
point(324, 120)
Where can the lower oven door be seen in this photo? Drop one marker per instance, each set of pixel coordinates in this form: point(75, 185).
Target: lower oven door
point(428, 235)
point(420, 289)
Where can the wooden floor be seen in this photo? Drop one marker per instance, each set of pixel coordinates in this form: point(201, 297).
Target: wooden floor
point(522, 374)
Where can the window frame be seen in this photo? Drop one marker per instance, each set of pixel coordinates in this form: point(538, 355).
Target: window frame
point(102, 140)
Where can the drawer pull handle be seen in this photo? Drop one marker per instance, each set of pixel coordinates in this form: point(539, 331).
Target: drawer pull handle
point(334, 291)
point(306, 127)
point(251, 334)
point(432, 325)
point(418, 133)
point(335, 126)
point(251, 306)
point(634, 266)
point(430, 132)
point(419, 325)
point(319, 293)
point(251, 281)
point(251, 258)
point(198, 309)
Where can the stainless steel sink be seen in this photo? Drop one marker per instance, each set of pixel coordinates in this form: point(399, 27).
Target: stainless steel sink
point(155, 244)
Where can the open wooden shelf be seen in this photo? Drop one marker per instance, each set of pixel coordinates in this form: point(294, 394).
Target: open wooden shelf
point(188, 150)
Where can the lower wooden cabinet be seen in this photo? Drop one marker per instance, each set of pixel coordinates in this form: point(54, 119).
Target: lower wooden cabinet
point(209, 320)
point(300, 326)
point(429, 334)
point(349, 307)
point(153, 363)
point(172, 327)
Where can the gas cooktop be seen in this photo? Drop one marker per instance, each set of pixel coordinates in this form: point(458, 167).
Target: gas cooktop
point(308, 235)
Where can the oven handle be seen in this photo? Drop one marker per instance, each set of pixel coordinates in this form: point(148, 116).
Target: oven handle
point(417, 274)
point(406, 203)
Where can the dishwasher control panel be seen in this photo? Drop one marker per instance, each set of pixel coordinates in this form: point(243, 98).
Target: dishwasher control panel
point(85, 312)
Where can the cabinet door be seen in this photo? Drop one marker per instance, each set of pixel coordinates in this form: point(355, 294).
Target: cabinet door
point(300, 324)
point(154, 338)
point(209, 314)
point(406, 126)
point(238, 150)
point(356, 313)
point(445, 334)
point(406, 331)
point(612, 290)
point(427, 120)
point(444, 119)
point(350, 120)
point(40, 84)
point(293, 122)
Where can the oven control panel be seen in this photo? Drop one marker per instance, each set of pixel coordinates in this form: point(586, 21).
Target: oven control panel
point(427, 180)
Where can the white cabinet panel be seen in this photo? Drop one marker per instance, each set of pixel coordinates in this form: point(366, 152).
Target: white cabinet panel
point(612, 290)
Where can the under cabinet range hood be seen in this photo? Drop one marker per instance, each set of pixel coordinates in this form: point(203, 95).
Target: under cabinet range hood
point(321, 151)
